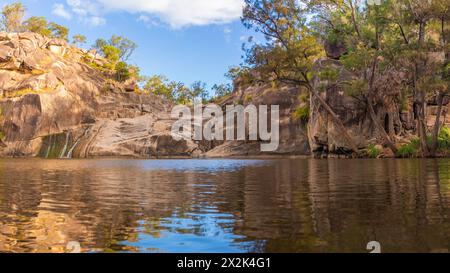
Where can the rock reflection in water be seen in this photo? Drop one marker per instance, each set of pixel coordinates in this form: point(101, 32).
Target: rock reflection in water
point(283, 205)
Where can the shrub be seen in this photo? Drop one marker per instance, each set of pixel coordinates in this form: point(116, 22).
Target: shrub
point(373, 151)
point(355, 88)
point(302, 113)
point(329, 74)
point(444, 138)
point(409, 150)
point(122, 72)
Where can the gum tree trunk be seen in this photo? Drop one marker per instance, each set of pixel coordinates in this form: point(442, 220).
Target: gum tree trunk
point(337, 121)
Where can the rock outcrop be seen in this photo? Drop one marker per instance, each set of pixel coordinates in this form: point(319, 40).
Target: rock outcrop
point(55, 104)
point(293, 131)
point(324, 137)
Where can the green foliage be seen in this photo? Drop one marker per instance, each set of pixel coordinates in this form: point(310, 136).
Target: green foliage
point(122, 72)
point(59, 31)
point(123, 47)
point(329, 74)
point(222, 90)
point(444, 138)
point(160, 86)
point(357, 59)
point(409, 150)
point(174, 91)
point(126, 47)
point(117, 51)
point(117, 48)
point(302, 113)
point(373, 151)
point(291, 48)
point(236, 72)
point(12, 17)
point(79, 40)
point(41, 26)
point(99, 44)
point(112, 54)
point(38, 25)
point(198, 92)
point(355, 88)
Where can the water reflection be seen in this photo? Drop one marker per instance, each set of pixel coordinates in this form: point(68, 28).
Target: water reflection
point(286, 205)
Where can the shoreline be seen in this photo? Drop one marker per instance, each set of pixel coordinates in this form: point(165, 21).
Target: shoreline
point(181, 158)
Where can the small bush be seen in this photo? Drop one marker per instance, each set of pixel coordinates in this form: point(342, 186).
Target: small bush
point(355, 88)
point(302, 113)
point(329, 74)
point(373, 151)
point(444, 138)
point(409, 150)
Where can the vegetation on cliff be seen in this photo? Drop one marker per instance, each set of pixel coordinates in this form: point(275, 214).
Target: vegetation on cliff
point(116, 53)
point(398, 52)
point(365, 79)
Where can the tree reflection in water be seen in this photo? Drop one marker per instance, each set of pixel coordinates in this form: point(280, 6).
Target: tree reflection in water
point(279, 205)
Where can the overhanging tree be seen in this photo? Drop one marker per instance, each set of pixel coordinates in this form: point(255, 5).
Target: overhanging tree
point(290, 51)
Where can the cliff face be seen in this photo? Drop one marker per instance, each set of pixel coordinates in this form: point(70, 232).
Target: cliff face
point(54, 104)
point(293, 130)
point(324, 137)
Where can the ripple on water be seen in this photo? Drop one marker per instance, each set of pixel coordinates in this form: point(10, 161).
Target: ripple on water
point(279, 205)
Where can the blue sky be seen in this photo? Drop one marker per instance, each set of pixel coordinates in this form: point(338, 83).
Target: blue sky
point(184, 40)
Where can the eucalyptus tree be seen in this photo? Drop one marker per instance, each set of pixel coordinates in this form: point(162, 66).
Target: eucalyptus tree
point(290, 51)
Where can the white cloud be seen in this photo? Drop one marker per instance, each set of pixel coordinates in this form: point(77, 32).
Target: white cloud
point(60, 10)
point(88, 11)
point(176, 13)
point(144, 18)
point(227, 32)
point(182, 13)
point(148, 21)
point(95, 21)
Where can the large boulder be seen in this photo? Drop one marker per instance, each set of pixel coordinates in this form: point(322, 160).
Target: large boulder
point(335, 49)
point(324, 137)
point(293, 132)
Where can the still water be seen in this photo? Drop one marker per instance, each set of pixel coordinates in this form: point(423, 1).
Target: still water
point(280, 205)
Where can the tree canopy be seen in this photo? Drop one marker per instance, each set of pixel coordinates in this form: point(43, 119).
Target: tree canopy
point(12, 17)
point(397, 48)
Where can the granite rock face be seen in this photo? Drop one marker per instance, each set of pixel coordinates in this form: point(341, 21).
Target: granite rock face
point(54, 104)
point(293, 131)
